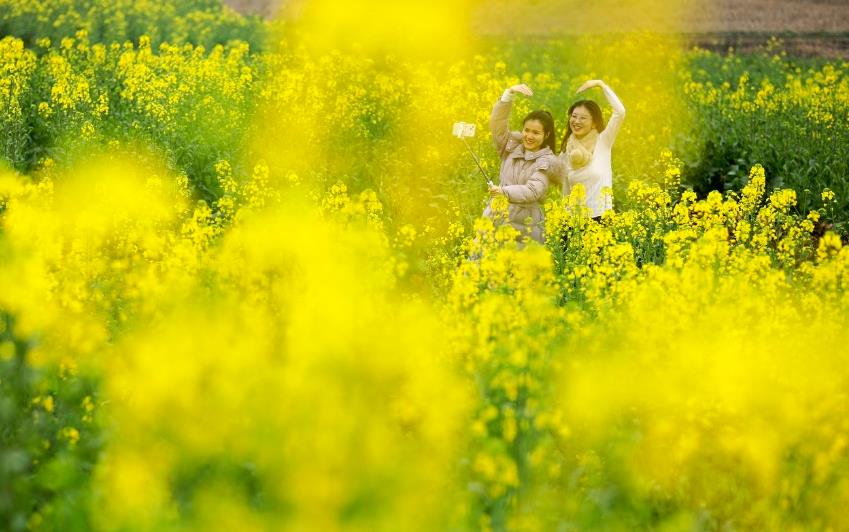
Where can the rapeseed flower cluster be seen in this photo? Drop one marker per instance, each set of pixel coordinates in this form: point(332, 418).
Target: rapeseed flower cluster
point(770, 110)
point(110, 276)
point(681, 360)
point(182, 21)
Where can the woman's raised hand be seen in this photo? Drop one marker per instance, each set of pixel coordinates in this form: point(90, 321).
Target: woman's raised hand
point(522, 89)
point(590, 84)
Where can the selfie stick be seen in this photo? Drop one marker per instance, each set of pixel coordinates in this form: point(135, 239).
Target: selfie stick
point(462, 131)
point(477, 162)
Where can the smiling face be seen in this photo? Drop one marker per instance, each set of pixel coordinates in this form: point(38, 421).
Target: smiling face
point(581, 121)
point(533, 135)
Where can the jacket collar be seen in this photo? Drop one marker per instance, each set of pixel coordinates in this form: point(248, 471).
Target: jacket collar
point(519, 152)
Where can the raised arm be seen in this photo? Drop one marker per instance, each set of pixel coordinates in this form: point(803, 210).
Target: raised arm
point(615, 123)
point(499, 120)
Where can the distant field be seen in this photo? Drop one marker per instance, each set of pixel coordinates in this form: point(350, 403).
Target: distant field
point(809, 27)
point(554, 16)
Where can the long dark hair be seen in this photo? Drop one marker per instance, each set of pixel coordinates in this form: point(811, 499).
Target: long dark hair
point(548, 130)
point(595, 113)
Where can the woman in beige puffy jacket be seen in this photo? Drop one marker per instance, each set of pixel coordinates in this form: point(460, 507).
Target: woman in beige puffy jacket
point(528, 164)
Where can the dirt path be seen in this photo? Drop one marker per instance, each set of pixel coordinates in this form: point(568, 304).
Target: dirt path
point(693, 16)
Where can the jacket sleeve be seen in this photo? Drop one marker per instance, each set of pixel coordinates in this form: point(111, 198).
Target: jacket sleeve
point(531, 192)
point(499, 125)
point(615, 123)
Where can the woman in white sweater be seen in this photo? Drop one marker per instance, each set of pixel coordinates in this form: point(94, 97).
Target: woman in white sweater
point(586, 148)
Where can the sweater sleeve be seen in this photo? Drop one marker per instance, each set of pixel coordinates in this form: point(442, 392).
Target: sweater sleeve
point(615, 123)
point(499, 123)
